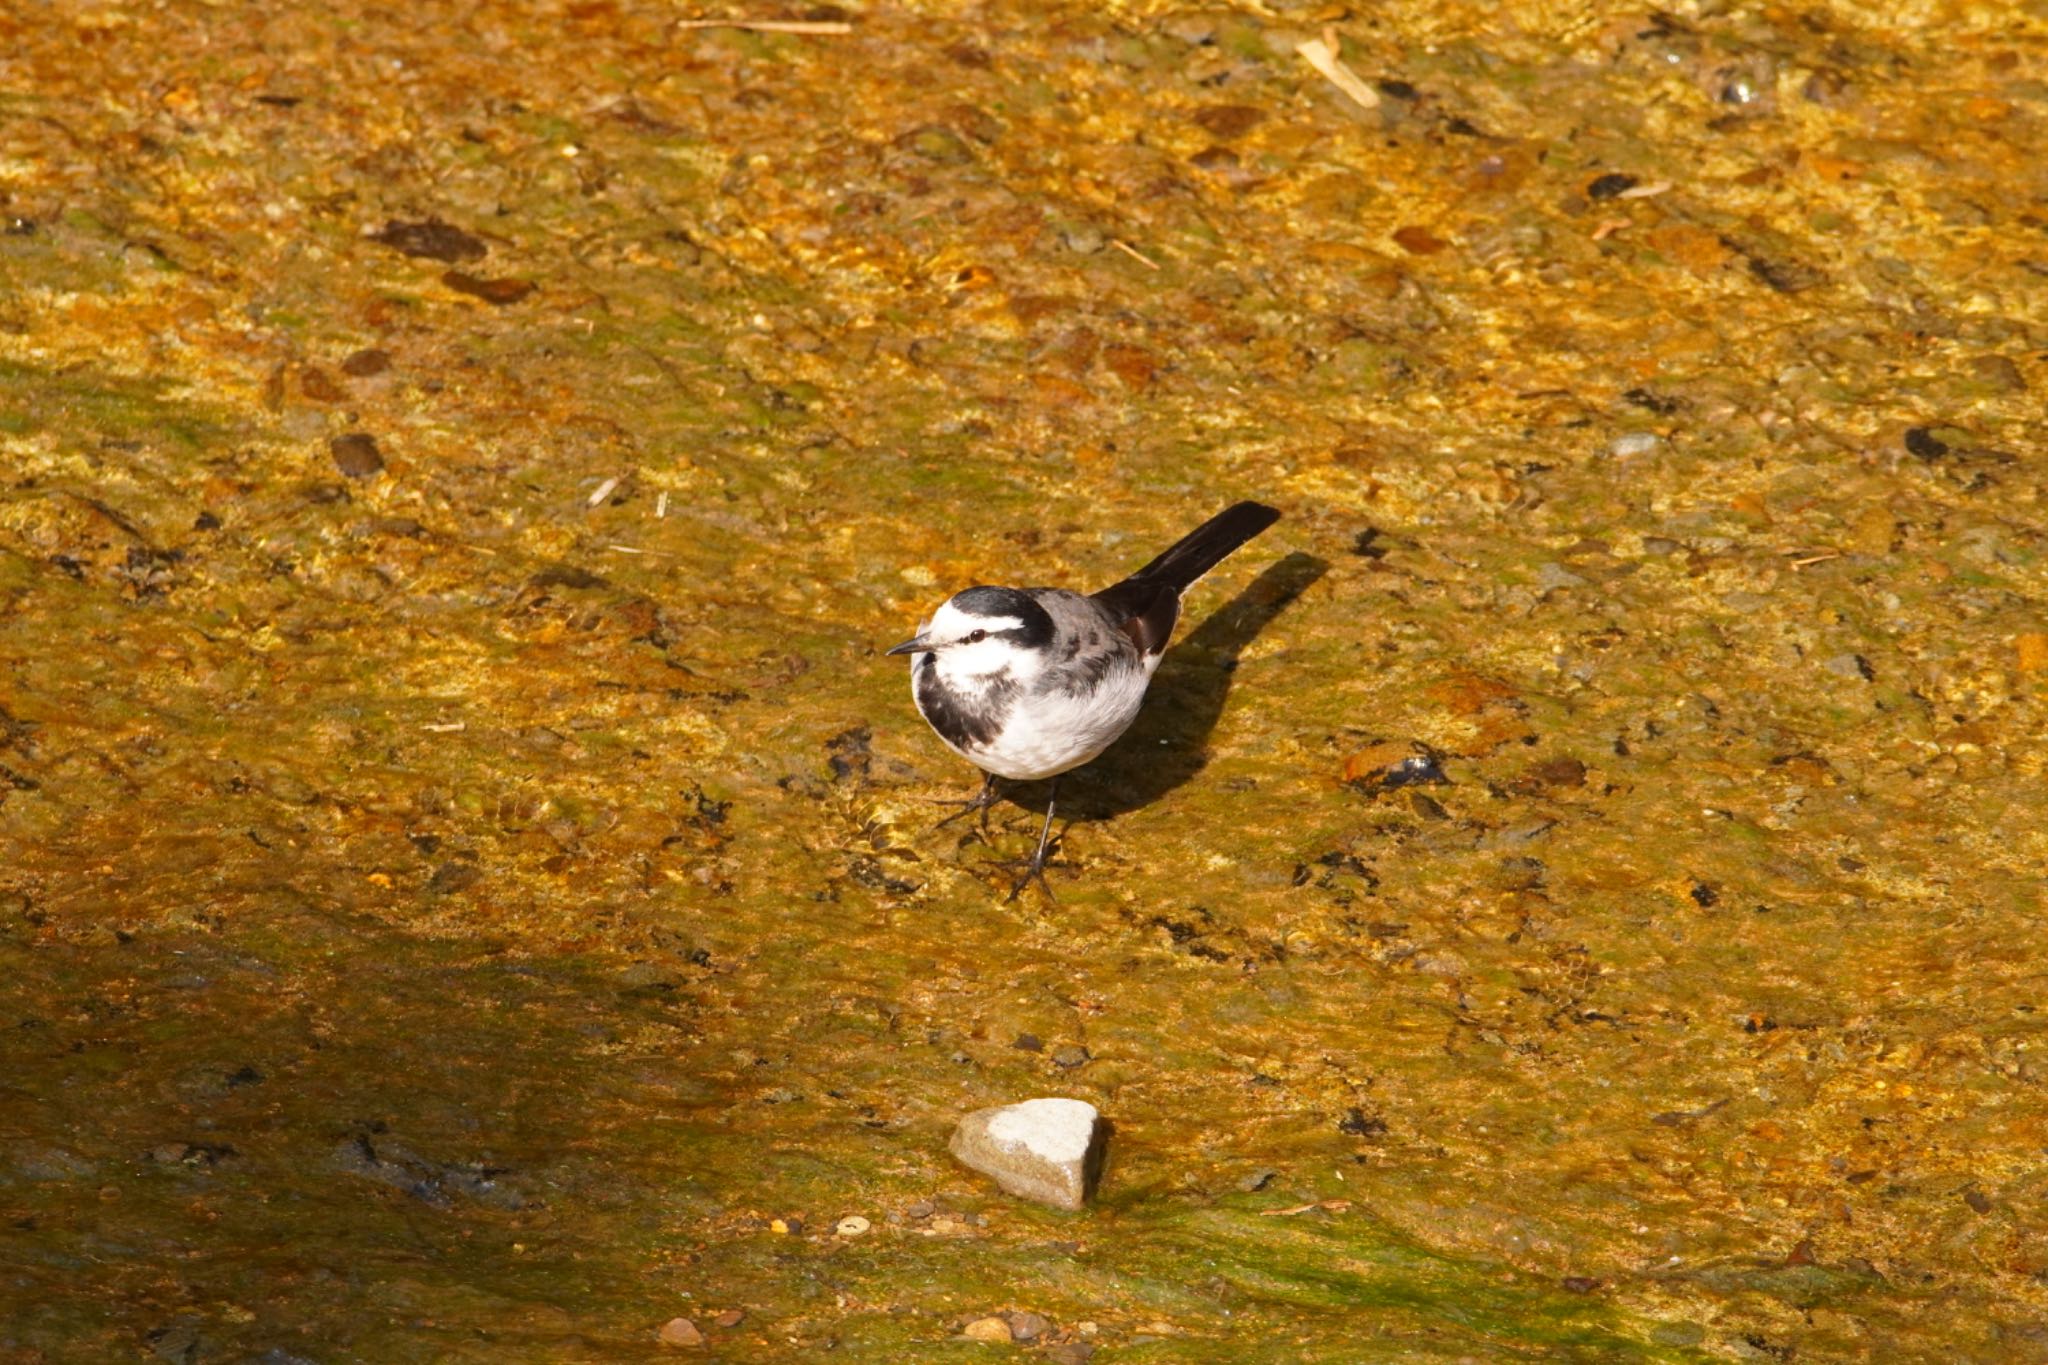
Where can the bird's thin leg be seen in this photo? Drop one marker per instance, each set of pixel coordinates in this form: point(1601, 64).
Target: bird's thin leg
point(1035, 869)
point(980, 801)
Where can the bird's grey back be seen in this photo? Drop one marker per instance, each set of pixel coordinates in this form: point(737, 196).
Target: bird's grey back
point(1088, 643)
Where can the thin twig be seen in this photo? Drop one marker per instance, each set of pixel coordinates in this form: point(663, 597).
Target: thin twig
point(604, 490)
point(817, 26)
point(1140, 257)
point(1329, 1205)
point(1322, 55)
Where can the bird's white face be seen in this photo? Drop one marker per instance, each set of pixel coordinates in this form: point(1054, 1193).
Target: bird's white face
point(971, 646)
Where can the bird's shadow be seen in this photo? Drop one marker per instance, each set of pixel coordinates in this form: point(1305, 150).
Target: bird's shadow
point(1166, 745)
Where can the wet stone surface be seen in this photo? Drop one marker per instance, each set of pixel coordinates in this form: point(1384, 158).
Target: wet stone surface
point(467, 879)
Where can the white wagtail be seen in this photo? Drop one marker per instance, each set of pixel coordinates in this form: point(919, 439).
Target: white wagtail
point(1028, 683)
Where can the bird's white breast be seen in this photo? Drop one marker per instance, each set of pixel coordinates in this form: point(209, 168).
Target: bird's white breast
point(1047, 733)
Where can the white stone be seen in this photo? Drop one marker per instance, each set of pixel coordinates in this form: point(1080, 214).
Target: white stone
point(1046, 1150)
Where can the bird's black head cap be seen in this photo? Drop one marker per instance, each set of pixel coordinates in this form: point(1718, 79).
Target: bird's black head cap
point(996, 603)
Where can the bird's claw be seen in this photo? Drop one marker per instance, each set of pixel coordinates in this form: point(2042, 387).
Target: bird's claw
point(967, 807)
point(1034, 871)
point(980, 801)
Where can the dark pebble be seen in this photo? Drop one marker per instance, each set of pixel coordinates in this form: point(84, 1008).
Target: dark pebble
point(1028, 1326)
point(566, 576)
point(1559, 772)
point(1660, 403)
point(1071, 1056)
point(452, 877)
point(498, 292)
point(433, 239)
point(1028, 1042)
point(1358, 1123)
point(1581, 1284)
point(319, 386)
point(1227, 122)
point(364, 363)
point(1415, 770)
point(1924, 444)
point(1977, 1200)
point(1782, 274)
point(1610, 185)
point(356, 455)
point(848, 753)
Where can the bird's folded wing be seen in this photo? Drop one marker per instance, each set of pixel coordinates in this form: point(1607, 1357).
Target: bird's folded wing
point(1143, 609)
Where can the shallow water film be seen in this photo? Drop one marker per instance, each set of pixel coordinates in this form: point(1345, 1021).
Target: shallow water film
point(468, 889)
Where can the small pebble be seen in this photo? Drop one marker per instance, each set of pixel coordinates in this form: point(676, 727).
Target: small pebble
point(1634, 443)
point(680, 1332)
point(356, 455)
point(1083, 239)
point(853, 1225)
point(986, 1329)
point(1046, 1150)
point(788, 1227)
point(1071, 1056)
point(1029, 1326)
point(731, 1317)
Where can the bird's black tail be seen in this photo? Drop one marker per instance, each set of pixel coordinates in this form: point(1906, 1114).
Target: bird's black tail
point(1208, 545)
point(1148, 602)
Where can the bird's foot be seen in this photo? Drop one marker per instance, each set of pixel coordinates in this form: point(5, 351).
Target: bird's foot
point(980, 802)
point(965, 809)
point(1033, 870)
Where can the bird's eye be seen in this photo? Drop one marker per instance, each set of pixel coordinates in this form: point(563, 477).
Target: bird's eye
point(976, 637)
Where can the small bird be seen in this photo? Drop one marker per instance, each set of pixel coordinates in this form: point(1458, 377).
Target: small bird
point(1029, 683)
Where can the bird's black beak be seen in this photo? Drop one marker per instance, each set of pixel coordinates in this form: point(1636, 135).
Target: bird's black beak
point(917, 645)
